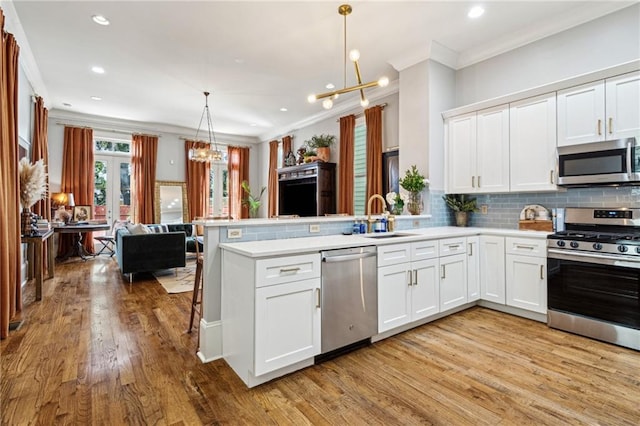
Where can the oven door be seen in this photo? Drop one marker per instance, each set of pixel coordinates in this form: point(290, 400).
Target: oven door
point(598, 286)
point(616, 161)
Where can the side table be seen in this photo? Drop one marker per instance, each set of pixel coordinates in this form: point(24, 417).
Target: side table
point(35, 246)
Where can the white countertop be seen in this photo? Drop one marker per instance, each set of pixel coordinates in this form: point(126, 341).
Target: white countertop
point(295, 220)
point(267, 248)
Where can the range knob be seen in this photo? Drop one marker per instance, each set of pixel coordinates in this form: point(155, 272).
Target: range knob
point(574, 244)
point(597, 246)
point(560, 243)
point(623, 249)
point(638, 249)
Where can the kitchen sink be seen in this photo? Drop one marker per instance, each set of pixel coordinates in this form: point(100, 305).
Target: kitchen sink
point(388, 235)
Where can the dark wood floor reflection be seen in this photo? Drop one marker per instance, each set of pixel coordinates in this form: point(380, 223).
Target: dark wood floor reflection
point(97, 350)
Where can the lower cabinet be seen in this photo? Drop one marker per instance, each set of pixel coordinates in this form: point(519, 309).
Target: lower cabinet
point(453, 273)
point(526, 268)
point(492, 279)
point(473, 268)
point(287, 324)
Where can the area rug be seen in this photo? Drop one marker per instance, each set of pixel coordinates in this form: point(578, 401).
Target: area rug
point(180, 282)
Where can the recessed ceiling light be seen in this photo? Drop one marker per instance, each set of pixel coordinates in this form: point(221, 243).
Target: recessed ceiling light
point(97, 70)
point(284, 109)
point(96, 98)
point(475, 12)
point(100, 20)
point(330, 86)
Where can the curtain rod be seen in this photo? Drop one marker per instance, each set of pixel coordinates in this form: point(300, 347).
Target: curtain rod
point(104, 129)
point(362, 113)
point(184, 138)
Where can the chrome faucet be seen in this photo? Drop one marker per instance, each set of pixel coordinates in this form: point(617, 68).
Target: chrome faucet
point(369, 220)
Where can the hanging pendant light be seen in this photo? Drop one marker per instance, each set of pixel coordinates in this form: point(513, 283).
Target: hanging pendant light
point(354, 56)
point(211, 152)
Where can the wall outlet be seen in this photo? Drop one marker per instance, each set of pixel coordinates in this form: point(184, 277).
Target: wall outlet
point(416, 223)
point(234, 233)
point(484, 209)
point(314, 228)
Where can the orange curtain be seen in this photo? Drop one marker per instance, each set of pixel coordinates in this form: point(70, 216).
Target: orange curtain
point(238, 164)
point(345, 167)
point(373, 117)
point(198, 174)
point(144, 157)
point(273, 178)
point(40, 151)
point(78, 177)
point(10, 288)
point(286, 146)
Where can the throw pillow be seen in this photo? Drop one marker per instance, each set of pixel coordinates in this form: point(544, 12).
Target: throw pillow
point(137, 229)
point(157, 228)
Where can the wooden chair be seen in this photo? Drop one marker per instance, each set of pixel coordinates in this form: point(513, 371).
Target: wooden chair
point(196, 298)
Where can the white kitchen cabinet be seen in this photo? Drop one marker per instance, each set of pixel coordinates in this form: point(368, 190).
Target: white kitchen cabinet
point(601, 110)
point(473, 269)
point(271, 314)
point(478, 151)
point(532, 144)
point(492, 272)
point(453, 281)
point(526, 267)
point(407, 291)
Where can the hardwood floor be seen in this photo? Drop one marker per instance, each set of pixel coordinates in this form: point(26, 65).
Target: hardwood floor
point(97, 350)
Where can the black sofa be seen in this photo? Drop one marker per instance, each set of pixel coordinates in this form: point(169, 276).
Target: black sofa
point(154, 251)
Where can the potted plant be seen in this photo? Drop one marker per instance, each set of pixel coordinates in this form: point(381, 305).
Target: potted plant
point(461, 206)
point(414, 182)
point(250, 200)
point(322, 145)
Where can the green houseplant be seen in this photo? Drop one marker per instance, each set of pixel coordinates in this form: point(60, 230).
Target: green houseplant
point(414, 182)
point(251, 201)
point(461, 206)
point(322, 145)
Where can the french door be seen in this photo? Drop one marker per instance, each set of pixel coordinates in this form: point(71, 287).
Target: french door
point(112, 194)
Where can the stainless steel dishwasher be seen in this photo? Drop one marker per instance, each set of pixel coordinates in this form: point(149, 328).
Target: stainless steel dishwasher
point(349, 297)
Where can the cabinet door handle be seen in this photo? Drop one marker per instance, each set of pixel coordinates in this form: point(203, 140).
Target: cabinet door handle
point(551, 177)
point(317, 297)
point(470, 249)
point(415, 277)
point(599, 127)
point(473, 181)
point(479, 181)
point(523, 246)
point(610, 125)
point(443, 272)
point(409, 278)
point(453, 246)
point(542, 272)
point(288, 270)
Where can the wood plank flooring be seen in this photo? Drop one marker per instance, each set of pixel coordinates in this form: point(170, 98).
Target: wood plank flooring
point(97, 350)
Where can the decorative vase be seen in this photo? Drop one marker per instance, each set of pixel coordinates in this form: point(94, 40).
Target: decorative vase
point(26, 221)
point(323, 153)
point(396, 210)
point(462, 218)
point(414, 205)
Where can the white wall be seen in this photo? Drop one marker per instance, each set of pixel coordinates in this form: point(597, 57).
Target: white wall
point(602, 43)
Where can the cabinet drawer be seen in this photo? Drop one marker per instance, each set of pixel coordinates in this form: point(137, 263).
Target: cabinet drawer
point(526, 246)
point(450, 246)
point(280, 270)
point(422, 250)
point(394, 254)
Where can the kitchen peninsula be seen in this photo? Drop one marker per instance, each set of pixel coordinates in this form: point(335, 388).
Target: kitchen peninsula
point(260, 241)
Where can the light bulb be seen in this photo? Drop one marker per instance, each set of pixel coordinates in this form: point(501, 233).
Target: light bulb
point(383, 82)
point(354, 55)
point(336, 96)
point(311, 98)
point(327, 104)
point(364, 102)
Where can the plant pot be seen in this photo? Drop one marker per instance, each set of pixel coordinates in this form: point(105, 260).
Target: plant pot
point(462, 218)
point(324, 153)
point(414, 204)
point(26, 221)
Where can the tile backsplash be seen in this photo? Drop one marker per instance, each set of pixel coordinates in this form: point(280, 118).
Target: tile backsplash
point(504, 209)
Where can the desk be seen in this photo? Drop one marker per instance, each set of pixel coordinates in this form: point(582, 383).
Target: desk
point(76, 248)
point(35, 244)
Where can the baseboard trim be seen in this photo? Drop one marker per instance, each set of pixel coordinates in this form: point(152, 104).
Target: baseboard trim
point(210, 341)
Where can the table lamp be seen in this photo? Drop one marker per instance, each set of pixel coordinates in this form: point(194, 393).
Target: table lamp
point(60, 200)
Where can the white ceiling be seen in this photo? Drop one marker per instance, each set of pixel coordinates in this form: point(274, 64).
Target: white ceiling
point(257, 57)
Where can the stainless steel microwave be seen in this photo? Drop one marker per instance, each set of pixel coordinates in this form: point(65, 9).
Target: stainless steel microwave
point(614, 162)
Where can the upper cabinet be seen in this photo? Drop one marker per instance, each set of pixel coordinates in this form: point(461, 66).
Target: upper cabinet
point(533, 144)
point(478, 151)
point(598, 111)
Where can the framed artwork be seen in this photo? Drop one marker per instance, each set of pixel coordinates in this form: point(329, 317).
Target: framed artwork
point(390, 173)
point(81, 213)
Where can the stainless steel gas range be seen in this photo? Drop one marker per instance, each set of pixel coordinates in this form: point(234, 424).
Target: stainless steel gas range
point(593, 275)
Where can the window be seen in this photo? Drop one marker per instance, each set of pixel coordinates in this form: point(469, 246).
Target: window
point(360, 167)
point(112, 175)
point(102, 145)
point(218, 187)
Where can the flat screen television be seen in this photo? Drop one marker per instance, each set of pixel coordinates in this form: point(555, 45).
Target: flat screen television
point(298, 197)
